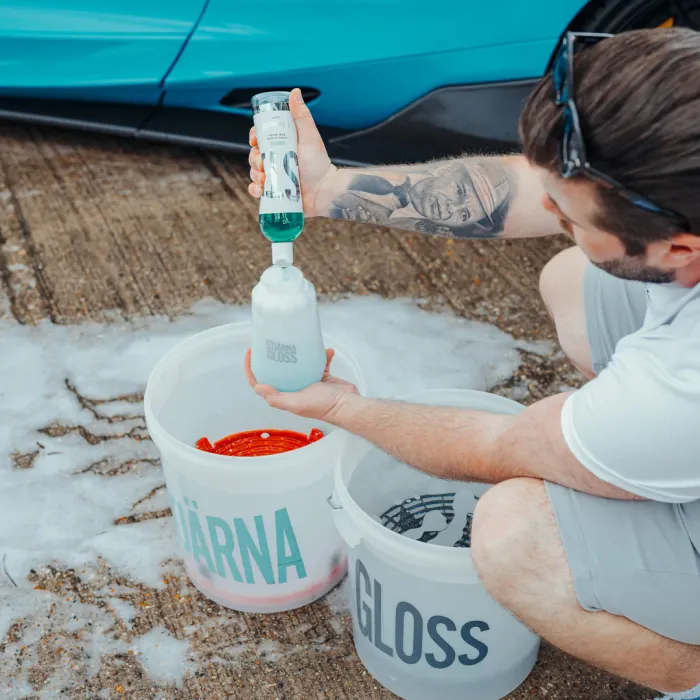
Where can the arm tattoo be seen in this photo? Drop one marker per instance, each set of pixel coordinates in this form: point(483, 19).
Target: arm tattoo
point(467, 198)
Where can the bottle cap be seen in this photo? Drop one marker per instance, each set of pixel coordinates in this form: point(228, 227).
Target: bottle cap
point(283, 254)
point(275, 101)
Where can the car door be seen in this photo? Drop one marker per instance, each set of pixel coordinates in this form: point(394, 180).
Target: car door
point(363, 65)
point(92, 49)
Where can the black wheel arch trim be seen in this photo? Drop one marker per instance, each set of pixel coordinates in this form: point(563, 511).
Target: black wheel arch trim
point(445, 122)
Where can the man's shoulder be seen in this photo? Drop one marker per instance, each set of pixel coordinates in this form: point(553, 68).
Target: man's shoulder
point(677, 322)
point(664, 359)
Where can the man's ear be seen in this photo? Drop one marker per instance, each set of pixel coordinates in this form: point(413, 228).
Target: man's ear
point(550, 206)
point(676, 252)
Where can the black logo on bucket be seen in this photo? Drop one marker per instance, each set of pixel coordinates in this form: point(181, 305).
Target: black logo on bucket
point(411, 636)
point(411, 514)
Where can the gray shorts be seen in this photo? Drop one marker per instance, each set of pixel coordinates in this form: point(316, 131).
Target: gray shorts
point(636, 559)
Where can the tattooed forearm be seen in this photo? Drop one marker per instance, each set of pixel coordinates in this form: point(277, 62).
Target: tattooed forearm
point(466, 198)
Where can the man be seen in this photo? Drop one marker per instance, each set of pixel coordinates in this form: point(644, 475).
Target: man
point(591, 535)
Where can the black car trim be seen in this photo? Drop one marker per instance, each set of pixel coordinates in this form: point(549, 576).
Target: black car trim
point(240, 98)
point(428, 129)
point(424, 130)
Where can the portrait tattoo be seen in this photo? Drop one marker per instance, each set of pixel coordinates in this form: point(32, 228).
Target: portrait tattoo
point(460, 198)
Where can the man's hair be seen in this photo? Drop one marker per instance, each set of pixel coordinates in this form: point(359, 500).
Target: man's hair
point(638, 97)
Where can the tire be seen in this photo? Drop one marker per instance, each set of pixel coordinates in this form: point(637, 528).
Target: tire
point(617, 16)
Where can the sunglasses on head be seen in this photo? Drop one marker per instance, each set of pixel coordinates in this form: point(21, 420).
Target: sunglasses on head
point(572, 157)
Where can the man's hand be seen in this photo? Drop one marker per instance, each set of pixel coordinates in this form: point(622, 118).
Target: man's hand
point(315, 167)
point(320, 401)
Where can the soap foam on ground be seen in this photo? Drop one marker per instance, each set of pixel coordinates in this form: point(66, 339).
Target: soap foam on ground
point(164, 657)
point(81, 481)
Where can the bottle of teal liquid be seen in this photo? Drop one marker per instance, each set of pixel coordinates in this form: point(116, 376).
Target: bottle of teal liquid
point(288, 351)
point(281, 207)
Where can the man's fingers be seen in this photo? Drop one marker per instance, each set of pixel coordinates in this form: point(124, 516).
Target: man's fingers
point(257, 173)
point(330, 354)
point(257, 176)
point(252, 137)
point(297, 106)
point(265, 390)
point(291, 402)
point(269, 393)
point(248, 369)
point(255, 159)
point(306, 127)
point(336, 380)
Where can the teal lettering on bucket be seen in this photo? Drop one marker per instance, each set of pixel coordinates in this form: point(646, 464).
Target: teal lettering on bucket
point(410, 628)
point(223, 550)
point(240, 549)
point(260, 552)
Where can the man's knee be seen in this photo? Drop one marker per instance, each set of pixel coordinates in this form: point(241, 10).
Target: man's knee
point(561, 278)
point(683, 673)
point(505, 531)
point(562, 289)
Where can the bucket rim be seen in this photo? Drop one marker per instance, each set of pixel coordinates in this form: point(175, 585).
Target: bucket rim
point(260, 464)
point(395, 545)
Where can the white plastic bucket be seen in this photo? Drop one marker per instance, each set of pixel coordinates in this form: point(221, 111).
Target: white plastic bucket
point(257, 532)
point(424, 626)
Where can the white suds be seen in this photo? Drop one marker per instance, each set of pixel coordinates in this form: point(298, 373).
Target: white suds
point(79, 474)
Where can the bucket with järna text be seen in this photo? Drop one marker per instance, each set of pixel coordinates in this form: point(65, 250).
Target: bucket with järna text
point(256, 532)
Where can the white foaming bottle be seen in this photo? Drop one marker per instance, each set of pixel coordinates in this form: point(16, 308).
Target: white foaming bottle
point(288, 352)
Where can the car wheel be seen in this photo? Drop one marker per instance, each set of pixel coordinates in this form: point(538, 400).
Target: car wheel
point(616, 16)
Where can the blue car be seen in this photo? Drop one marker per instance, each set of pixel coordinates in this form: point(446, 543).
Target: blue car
point(387, 80)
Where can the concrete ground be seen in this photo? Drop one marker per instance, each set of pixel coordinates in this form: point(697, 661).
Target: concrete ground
point(96, 228)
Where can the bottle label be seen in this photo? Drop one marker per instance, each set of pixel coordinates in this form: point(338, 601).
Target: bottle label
point(277, 139)
point(281, 352)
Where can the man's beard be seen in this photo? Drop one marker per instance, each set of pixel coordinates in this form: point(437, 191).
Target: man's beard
point(634, 269)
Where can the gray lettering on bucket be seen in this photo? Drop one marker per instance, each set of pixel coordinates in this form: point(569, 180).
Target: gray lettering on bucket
point(409, 625)
point(444, 645)
point(402, 609)
point(363, 621)
point(466, 633)
point(378, 621)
